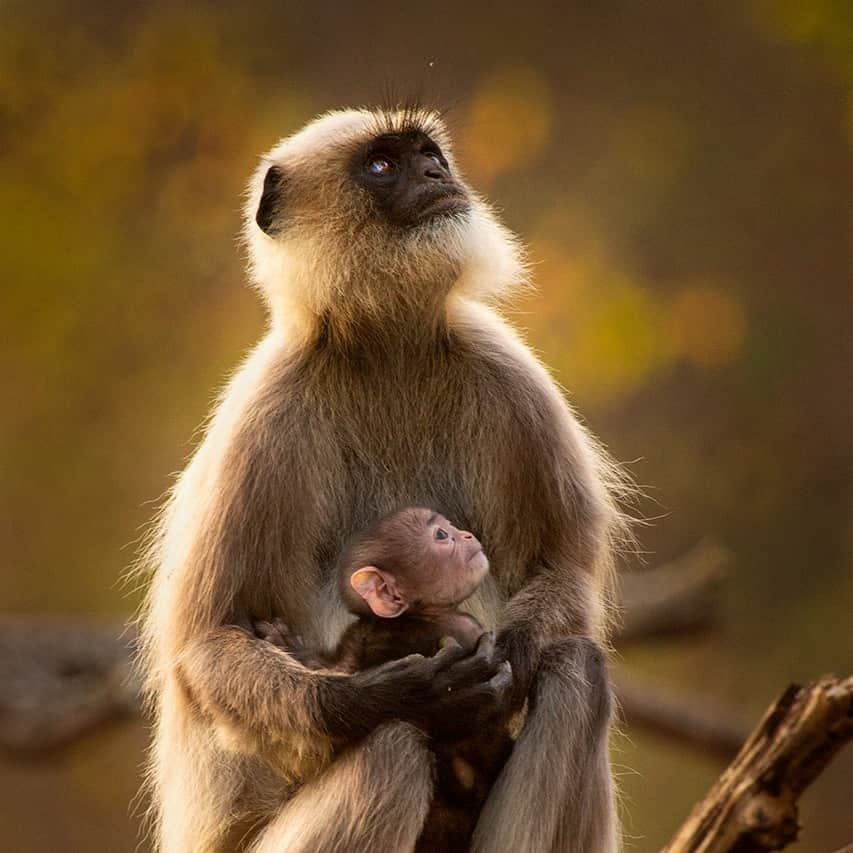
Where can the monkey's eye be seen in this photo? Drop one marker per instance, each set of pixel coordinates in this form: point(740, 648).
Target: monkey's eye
point(435, 155)
point(380, 166)
point(440, 533)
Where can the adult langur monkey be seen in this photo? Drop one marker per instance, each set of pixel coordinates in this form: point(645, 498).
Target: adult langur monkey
point(385, 380)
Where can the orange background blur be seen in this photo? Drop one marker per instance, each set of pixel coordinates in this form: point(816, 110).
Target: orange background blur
point(682, 173)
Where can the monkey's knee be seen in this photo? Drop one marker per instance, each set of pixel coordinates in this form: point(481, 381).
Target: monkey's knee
point(398, 739)
point(393, 769)
point(375, 796)
point(576, 670)
point(398, 760)
point(398, 735)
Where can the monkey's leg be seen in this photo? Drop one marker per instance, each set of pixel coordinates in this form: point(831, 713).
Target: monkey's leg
point(375, 797)
point(556, 791)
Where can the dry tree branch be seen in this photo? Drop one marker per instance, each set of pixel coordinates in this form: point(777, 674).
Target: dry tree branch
point(695, 721)
point(674, 598)
point(59, 681)
point(753, 805)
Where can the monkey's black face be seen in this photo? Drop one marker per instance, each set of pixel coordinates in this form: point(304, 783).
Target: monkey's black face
point(409, 178)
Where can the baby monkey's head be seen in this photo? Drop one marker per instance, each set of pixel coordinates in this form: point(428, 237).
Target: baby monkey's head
point(414, 561)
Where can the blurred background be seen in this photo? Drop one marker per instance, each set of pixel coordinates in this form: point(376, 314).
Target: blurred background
point(682, 174)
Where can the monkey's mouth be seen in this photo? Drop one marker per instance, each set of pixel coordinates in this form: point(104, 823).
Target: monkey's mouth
point(478, 557)
point(448, 201)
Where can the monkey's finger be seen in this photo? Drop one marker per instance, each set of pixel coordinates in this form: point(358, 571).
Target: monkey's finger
point(399, 665)
point(448, 654)
point(486, 645)
point(272, 633)
point(501, 681)
point(471, 671)
point(498, 693)
point(488, 697)
point(482, 660)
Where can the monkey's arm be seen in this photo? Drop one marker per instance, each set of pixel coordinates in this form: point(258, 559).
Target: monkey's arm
point(565, 590)
point(242, 680)
point(523, 638)
point(249, 684)
point(562, 597)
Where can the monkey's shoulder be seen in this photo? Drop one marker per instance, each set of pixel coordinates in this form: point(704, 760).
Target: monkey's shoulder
point(498, 366)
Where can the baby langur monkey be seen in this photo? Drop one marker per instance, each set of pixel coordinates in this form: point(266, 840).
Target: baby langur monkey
point(405, 578)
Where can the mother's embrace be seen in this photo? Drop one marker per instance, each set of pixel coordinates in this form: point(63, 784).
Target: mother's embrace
point(384, 381)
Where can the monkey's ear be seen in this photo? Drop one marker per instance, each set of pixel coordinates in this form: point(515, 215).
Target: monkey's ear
point(271, 202)
point(380, 592)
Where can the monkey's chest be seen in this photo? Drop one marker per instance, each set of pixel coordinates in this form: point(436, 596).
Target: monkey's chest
point(447, 436)
point(406, 457)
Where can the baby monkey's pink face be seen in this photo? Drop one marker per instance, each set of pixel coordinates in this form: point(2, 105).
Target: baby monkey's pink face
point(427, 565)
point(455, 566)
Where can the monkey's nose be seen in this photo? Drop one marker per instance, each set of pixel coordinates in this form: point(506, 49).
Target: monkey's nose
point(465, 534)
point(430, 169)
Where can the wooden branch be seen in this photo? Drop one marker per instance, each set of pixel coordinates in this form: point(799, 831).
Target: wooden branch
point(678, 597)
point(753, 805)
point(60, 681)
point(697, 722)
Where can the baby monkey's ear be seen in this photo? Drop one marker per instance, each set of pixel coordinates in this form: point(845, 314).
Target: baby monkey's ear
point(379, 590)
point(271, 204)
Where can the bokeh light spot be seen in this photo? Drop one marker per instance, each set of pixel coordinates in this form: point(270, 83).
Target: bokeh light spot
point(707, 325)
point(508, 124)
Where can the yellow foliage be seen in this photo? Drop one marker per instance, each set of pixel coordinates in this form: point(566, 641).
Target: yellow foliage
point(651, 144)
point(608, 334)
point(707, 325)
point(508, 124)
point(596, 324)
point(795, 20)
point(618, 347)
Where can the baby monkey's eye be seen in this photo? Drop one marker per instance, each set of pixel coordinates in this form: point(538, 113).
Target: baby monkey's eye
point(440, 533)
point(380, 166)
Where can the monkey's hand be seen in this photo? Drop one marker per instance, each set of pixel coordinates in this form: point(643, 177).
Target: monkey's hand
point(517, 645)
point(472, 692)
point(448, 695)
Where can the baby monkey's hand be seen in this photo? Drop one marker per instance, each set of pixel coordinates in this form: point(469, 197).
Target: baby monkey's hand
point(277, 632)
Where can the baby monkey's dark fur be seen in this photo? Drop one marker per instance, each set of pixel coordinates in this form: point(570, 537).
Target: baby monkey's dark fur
point(433, 567)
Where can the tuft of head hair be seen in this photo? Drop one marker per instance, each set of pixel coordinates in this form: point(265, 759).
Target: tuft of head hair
point(331, 255)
